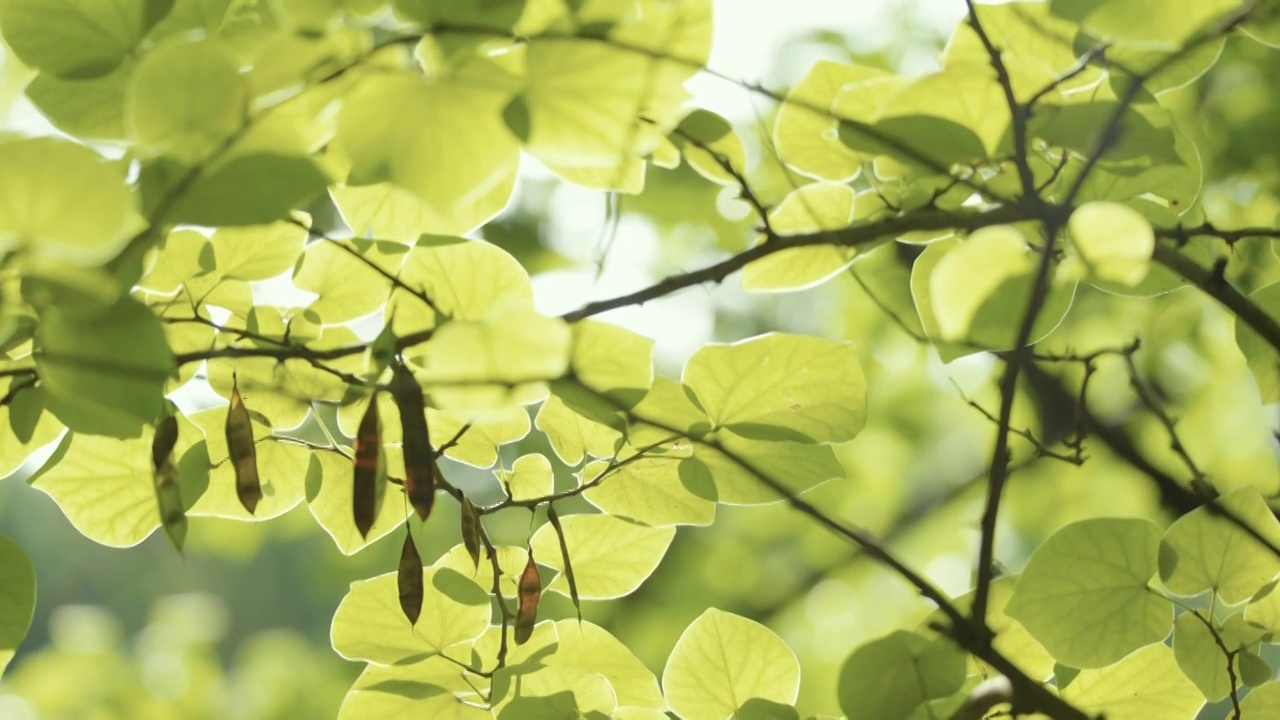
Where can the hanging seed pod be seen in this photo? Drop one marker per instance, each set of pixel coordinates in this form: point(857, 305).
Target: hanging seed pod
point(554, 517)
point(163, 442)
point(471, 530)
point(409, 578)
point(243, 452)
point(419, 457)
point(368, 464)
point(530, 590)
point(168, 497)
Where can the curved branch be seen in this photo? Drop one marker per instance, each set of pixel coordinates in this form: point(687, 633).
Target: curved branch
point(848, 237)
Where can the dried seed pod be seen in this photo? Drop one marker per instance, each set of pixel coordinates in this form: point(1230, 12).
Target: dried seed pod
point(554, 517)
point(419, 457)
point(243, 452)
point(530, 591)
point(163, 442)
point(368, 464)
point(168, 497)
point(409, 578)
point(471, 530)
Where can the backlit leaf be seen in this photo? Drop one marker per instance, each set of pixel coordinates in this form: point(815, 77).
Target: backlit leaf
point(1203, 550)
point(722, 661)
point(1144, 685)
point(369, 623)
point(611, 557)
point(781, 387)
point(17, 601)
point(1084, 594)
point(891, 676)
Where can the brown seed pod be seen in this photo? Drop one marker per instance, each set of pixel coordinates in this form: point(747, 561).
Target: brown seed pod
point(163, 442)
point(419, 457)
point(243, 452)
point(364, 491)
point(409, 578)
point(471, 530)
point(530, 591)
point(168, 497)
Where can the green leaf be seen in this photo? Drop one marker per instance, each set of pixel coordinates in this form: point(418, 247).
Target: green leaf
point(250, 189)
point(1199, 656)
point(1078, 126)
point(670, 404)
point(183, 256)
point(496, 14)
point(810, 208)
point(283, 392)
point(479, 445)
point(1146, 685)
point(968, 276)
point(62, 201)
point(930, 143)
point(589, 647)
point(91, 108)
point(1084, 594)
point(473, 366)
point(891, 676)
point(573, 435)
point(104, 375)
point(15, 450)
point(652, 491)
point(1115, 242)
point(1035, 45)
point(781, 387)
point(186, 99)
point(1253, 670)
point(1262, 702)
point(18, 599)
point(1166, 25)
point(612, 361)
point(1263, 360)
point(104, 487)
point(383, 210)
point(1203, 550)
point(25, 410)
point(964, 93)
point(346, 284)
point(1238, 633)
point(709, 142)
point(805, 137)
point(443, 141)
point(511, 561)
point(516, 117)
point(722, 661)
point(796, 467)
point(77, 38)
point(1011, 639)
point(611, 557)
point(552, 693)
point(530, 477)
point(369, 624)
point(465, 280)
point(433, 687)
point(585, 102)
point(257, 252)
point(563, 651)
point(998, 317)
point(328, 488)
